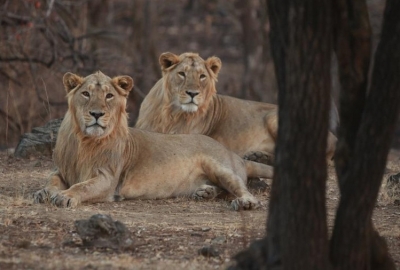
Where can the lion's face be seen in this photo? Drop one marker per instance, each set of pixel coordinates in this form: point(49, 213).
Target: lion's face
point(97, 101)
point(190, 79)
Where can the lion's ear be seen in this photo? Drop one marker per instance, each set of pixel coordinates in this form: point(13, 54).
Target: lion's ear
point(124, 82)
point(214, 63)
point(71, 81)
point(168, 59)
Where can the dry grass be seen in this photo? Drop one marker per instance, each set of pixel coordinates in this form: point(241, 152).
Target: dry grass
point(390, 192)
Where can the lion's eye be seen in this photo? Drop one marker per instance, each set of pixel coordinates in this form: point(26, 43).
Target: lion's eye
point(202, 76)
point(108, 96)
point(181, 74)
point(85, 94)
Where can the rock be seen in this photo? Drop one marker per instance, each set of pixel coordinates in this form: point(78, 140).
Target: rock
point(394, 179)
point(219, 240)
point(208, 251)
point(40, 142)
point(392, 187)
point(103, 232)
point(257, 184)
point(37, 164)
point(255, 256)
point(23, 244)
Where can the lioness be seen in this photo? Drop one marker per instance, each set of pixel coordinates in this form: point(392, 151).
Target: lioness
point(185, 100)
point(99, 158)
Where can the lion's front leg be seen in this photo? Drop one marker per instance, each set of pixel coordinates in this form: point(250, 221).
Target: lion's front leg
point(54, 186)
point(234, 184)
point(99, 188)
point(246, 202)
point(65, 199)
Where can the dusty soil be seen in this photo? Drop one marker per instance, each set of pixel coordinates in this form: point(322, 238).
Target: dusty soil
point(167, 233)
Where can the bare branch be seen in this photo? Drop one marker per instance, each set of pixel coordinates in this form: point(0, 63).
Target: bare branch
point(95, 33)
point(48, 12)
point(25, 59)
point(13, 19)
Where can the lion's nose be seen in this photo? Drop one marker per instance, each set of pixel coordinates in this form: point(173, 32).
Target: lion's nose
point(96, 115)
point(192, 94)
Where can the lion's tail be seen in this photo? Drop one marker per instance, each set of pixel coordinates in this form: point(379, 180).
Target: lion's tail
point(260, 170)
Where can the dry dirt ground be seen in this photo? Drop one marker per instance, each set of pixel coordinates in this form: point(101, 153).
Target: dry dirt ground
point(167, 233)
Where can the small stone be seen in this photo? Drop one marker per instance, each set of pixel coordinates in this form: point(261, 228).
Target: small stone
point(208, 251)
point(394, 179)
point(37, 164)
point(102, 231)
point(257, 184)
point(219, 240)
point(10, 152)
point(23, 244)
point(392, 187)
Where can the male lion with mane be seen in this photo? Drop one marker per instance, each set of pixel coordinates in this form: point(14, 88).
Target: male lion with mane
point(98, 158)
point(185, 100)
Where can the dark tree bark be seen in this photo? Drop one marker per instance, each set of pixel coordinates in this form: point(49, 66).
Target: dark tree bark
point(355, 244)
point(301, 48)
point(352, 44)
point(301, 34)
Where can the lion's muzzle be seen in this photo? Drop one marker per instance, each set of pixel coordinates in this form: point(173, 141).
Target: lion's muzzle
point(190, 104)
point(96, 114)
point(192, 94)
point(96, 126)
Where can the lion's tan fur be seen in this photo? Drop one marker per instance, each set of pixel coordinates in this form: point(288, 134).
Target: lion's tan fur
point(99, 158)
point(158, 113)
point(243, 126)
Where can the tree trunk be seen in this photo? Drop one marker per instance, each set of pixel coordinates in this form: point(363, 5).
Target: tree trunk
point(352, 44)
point(355, 244)
point(301, 44)
point(296, 226)
point(301, 47)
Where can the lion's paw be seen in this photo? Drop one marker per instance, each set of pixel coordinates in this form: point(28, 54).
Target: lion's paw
point(260, 157)
point(245, 203)
point(205, 192)
point(62, 199)
point(41, 196)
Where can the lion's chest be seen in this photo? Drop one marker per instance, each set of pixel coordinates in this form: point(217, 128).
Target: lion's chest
point(187, 124)
point(85, 167)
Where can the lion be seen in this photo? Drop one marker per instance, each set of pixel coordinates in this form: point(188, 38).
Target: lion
point(185, 100)
point(99, 158)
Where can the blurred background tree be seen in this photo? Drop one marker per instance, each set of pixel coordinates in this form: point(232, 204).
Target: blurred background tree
point(40, 40)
